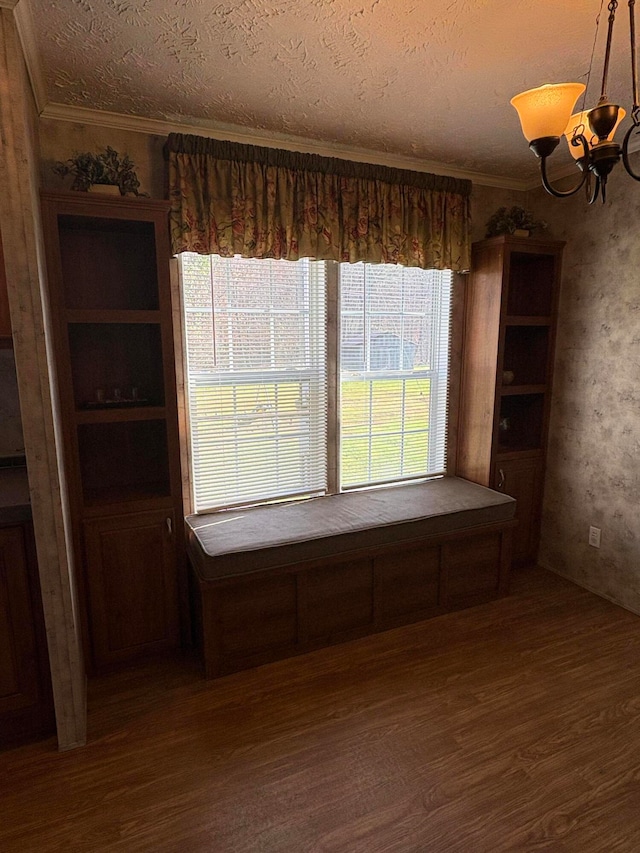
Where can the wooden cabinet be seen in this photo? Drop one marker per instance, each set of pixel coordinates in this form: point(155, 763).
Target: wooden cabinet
point(131, 562)
point(26, 707)
point(5, 319)
point(247, 619)
point(509, 338)
point(108, 265)
point(523, 480)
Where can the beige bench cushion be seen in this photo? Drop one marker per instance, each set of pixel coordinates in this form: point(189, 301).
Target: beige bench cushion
point(230, 543)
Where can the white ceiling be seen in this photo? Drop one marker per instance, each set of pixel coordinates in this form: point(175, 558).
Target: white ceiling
point(426, 80)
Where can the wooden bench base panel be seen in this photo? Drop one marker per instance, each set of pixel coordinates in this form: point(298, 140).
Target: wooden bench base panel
point(251, 619)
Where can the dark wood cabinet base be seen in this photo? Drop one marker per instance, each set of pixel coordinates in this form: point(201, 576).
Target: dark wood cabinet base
point(251, 619)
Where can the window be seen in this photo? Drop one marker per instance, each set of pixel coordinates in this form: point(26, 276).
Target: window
point(288, 399)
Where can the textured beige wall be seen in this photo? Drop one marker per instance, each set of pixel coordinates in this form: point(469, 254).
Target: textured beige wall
point(593, 470)
point(485, 201)
point(61, 139)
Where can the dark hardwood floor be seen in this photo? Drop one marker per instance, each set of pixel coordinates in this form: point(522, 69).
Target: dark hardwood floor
point(513, 726)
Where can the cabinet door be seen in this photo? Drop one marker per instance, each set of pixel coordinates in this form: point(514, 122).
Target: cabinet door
point(132, 585)
point(18, 651)
point(522, 479)
point(473, 570)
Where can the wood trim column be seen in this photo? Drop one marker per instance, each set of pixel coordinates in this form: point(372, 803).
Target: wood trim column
point(332, 273)
point(25, 268)
point(179, 348)
point(458, 295)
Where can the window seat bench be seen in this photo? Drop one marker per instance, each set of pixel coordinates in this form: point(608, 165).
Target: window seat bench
point(273, 581)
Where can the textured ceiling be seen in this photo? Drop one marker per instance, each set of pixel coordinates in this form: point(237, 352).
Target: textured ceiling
point(427, 79)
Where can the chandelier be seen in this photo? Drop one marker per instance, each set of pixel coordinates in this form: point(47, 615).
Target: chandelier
point(545, 116)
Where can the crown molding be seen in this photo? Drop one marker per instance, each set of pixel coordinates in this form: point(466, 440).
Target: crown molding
point(250, 136)
point(218, 130)
point(26, 33)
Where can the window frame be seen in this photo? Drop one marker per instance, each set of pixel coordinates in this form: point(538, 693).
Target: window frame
point(366, 375)
point(332, 359)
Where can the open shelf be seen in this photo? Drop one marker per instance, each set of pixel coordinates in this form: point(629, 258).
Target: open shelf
point(531, 284)
point(108, 263)
point(123, 461)
point(93, 315)
point(116, 362)
point(504, 455)
point(521, 422)
point(120, 415)
point(513, 390)
point(524, 320)
point(526, 351)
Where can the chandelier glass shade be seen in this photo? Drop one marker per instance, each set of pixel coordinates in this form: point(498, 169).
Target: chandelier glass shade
point(546, 115)
point(545, 111)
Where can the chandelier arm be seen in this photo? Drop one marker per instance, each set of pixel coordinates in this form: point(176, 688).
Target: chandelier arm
point(593, 188)
point(578, 139)
point(552, 190)
point(625, 150)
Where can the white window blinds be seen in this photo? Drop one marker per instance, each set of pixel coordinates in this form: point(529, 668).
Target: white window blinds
point(258, 376)
point(255, 332)
point(394, 357)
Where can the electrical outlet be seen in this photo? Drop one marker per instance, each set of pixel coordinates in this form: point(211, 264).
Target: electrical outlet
point(594, 537)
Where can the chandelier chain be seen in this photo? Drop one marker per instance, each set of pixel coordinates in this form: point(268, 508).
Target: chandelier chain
point(613, 6)
point(593, 51)
point(635, 112)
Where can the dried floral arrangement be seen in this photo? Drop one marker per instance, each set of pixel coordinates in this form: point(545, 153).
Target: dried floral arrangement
point(509, 220)
point(107, 167)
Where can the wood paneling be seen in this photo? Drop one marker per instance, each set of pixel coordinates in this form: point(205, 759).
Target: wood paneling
point(512, 726)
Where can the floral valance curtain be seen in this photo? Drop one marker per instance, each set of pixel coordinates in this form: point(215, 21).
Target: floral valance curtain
point(229, 199)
